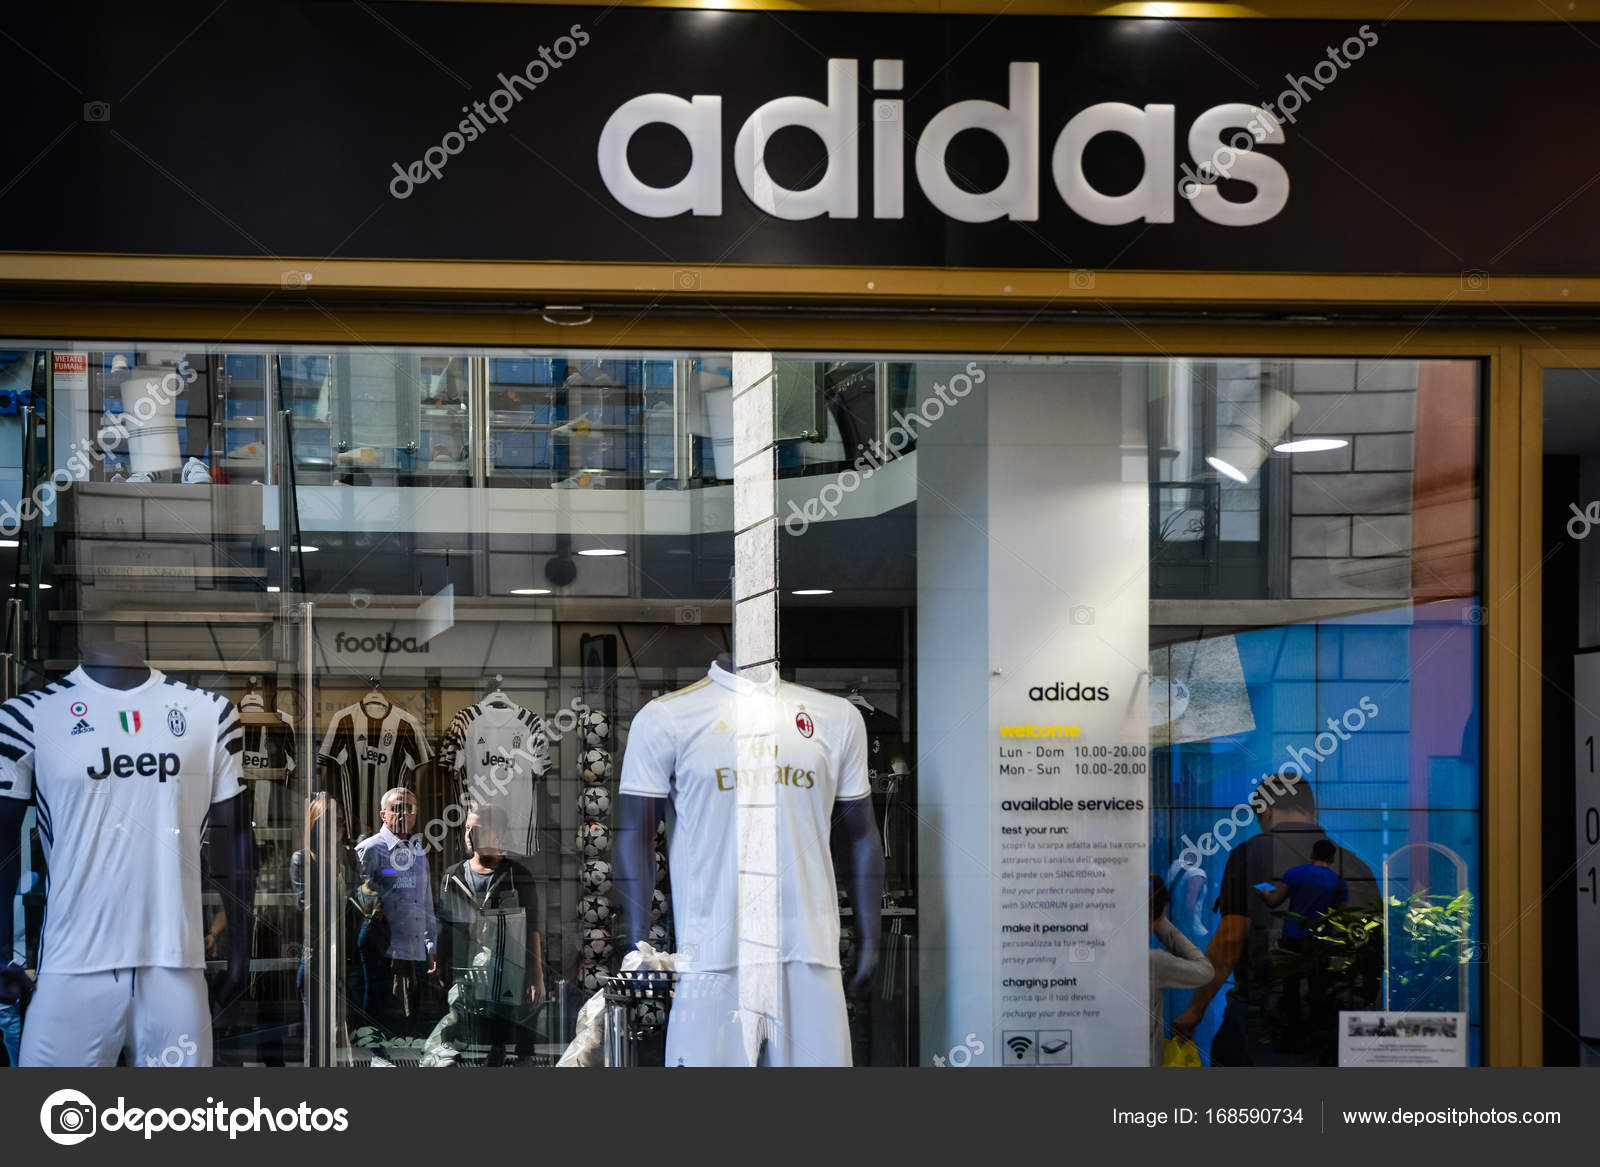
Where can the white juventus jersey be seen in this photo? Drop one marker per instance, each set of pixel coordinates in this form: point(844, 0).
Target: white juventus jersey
point(685, 746)
point(500, 754)
point(122, 780)
point(375, 754)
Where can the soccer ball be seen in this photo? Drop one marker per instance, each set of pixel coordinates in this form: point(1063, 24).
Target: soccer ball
point(658, 938)
point(594, 910)
point(661, 868)
point(659, 905)
point(649, 1014)
point(596, 730)
point(661, 831)
point(596, 766)
point(596, 944)
point(594, 803)
point(592, 977)
point(594, 839)
point(597, 876)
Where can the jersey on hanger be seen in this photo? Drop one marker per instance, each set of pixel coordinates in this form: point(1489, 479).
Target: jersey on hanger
point(122, 780)
point(269, 748)
point(499, 753)
point(375, 754)
point(684, 746)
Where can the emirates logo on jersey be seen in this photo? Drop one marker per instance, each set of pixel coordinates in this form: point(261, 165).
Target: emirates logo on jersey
point(803, 722)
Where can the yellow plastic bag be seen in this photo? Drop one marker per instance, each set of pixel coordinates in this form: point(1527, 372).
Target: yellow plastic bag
point(1181, 1053)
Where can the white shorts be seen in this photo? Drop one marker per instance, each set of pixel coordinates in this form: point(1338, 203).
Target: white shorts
point(160, 1016)
point(807, 1027)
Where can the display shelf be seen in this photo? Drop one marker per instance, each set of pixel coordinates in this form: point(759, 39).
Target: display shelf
point(183, 666)
point(264, 899)
point(261, 964)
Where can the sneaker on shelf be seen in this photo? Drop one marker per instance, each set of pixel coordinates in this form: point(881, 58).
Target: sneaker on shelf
point(577, 425)
point(379, 1062)
point(578, 481)
point(196, 471)
point(142, 476)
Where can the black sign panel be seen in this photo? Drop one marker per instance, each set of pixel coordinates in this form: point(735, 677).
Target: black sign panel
point(455, 131)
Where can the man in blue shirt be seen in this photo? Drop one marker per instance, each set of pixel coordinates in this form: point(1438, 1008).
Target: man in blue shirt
point(394, 863)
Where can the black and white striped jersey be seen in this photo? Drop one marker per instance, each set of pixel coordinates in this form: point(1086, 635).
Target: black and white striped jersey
point(499, 753)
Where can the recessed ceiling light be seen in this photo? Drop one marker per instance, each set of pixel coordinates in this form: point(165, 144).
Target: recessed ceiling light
point(44, 587)
point(304, 547)
point(812, 592)
point(601, 551)
point(530, 591)
point(1311, 445)
point(274, 588)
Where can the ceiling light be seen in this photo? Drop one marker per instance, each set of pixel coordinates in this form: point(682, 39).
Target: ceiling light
point(1227, 468)
point(305, 548)
point(1311, 445)
point(812, 592)
point(603, 551)
point(530, 591)
point(274, 588)
point(9, 543)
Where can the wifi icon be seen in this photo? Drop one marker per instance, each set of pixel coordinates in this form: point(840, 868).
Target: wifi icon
point(1020, 1045)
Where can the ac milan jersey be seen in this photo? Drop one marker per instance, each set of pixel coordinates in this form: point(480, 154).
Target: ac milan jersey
point(375, 754)
point(122, 780)
point(686, 746)
point(500, 754)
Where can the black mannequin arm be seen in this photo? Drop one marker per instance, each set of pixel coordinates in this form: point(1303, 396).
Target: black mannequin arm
point(633, 865)
point(12, 812)
point(233, 854)
point(858, 851)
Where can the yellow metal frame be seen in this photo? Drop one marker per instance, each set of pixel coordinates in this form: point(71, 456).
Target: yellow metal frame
point(1416, 10)
point(1513, 358)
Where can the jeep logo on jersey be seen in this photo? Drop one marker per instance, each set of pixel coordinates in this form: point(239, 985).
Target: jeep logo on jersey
point(129, 720)
point(1021, 127)
point(163, 766)
point(374, 754)
point(490, 758)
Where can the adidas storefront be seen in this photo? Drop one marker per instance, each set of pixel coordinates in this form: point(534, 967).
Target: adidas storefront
point(793, 537)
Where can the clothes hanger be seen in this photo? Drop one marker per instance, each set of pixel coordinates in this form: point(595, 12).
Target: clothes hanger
point(497, 696)
point(855, 698)
point(375, 696)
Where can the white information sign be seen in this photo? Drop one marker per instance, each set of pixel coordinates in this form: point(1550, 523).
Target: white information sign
point(1069, 724)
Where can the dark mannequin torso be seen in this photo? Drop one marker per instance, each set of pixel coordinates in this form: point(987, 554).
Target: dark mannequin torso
point(116, 665)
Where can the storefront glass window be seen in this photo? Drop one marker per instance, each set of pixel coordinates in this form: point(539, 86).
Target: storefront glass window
point(929, 709)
